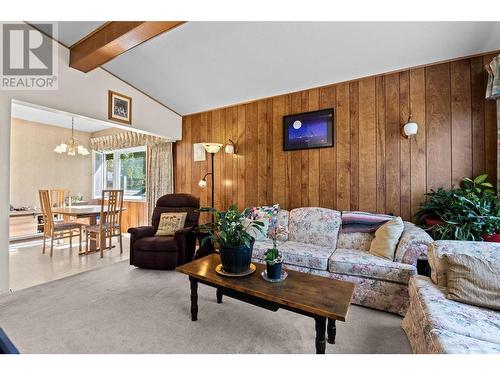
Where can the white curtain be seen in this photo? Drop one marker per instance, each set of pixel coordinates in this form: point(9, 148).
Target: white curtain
point(160, 173)
point(493, 92)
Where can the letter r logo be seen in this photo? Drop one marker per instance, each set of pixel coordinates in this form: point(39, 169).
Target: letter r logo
point(26, 51)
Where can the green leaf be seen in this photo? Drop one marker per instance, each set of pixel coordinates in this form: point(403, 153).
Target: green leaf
point(205, 239)
point(480, 179)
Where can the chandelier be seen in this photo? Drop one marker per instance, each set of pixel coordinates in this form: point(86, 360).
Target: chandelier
point(71, 147)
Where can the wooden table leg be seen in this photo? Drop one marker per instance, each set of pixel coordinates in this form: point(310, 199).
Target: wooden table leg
point(331, 331)
point(194, 299)
point(92, 245)
point(219, 295)
point(320, 334)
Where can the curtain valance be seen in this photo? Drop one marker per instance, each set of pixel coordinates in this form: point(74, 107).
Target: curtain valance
point(124, 140)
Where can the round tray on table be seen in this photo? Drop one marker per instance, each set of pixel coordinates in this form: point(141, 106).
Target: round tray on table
point(221, 271)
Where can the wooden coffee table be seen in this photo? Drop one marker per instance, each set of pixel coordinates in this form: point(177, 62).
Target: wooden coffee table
point(317, 297)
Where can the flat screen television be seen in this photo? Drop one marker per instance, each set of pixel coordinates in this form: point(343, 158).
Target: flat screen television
point(308, 130)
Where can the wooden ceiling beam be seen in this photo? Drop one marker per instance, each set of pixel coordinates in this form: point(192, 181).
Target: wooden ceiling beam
point(113, 39)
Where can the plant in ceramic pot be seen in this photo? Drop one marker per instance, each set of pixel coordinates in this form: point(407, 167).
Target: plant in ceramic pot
point(491, 229)
point(273, 258)
point(432, 210)
point(229, 234)
point(468, 213)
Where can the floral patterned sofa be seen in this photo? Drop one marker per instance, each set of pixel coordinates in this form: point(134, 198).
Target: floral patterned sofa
point(435, 324)
point(315, 244)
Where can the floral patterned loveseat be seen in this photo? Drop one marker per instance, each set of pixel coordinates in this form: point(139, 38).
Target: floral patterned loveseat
point(315, 244)
point(435, 324)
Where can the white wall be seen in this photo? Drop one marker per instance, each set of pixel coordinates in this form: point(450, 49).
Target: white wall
point(82, 94)
point(34, 165)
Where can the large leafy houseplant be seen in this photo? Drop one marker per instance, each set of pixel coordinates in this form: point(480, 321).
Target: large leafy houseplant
point(229, 232)
point(468, 212)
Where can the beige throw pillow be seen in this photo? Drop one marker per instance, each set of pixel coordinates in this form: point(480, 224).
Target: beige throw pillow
point(474, 280)
point(171, 222)
point(386, 238)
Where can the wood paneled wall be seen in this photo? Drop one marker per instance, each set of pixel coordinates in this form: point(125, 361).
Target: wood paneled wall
point(135, 214)
point(372, 166)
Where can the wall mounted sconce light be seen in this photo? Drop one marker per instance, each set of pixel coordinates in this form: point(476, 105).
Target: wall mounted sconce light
point(410, 129)
point(231, 148)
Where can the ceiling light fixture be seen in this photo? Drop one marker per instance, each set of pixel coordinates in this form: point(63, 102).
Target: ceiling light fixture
point(72, 147)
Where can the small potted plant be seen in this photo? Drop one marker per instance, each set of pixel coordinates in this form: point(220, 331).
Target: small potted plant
point(229, 234)
point(274, 260)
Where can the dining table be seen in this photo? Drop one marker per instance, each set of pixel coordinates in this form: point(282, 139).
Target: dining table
point(91, 212)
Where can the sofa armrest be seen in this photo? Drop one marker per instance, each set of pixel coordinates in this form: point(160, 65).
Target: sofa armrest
point(412, 245)
point(140, 232)
point(186, 244)
point(184, 231)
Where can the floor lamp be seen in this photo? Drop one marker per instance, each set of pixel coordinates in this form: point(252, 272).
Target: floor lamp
point(212, 149)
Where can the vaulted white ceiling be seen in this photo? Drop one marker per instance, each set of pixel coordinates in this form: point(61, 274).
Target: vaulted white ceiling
point(72, 31)
point(205, 65)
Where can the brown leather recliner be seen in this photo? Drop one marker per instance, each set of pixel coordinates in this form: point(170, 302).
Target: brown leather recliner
point(166, 252)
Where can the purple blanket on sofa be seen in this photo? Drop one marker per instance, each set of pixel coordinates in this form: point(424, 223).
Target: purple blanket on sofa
point(365, 222)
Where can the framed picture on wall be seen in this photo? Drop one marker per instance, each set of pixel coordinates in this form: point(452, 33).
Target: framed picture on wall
point(198, 152)
point(119, 107)
point(308, 130)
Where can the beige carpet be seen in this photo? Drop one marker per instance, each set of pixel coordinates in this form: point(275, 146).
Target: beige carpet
point(122, 309)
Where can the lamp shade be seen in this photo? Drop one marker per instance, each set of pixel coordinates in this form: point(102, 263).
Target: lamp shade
point(202, 183)
point(229, 149)
point(212, 148)
point(410, 129)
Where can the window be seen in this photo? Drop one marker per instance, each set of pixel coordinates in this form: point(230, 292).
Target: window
point(121, 169)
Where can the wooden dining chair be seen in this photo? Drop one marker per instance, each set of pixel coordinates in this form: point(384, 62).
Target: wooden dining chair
point(109, 224)
point(56, 230)
point(58, 198)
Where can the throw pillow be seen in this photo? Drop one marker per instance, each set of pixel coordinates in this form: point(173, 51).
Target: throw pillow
point(357, 241)
point(314, 225)
point(362, 222)
point(254, 232)
point(386, 238)
point(281, 230)
point(171, 222)
point(269, 213)
point(474, 280)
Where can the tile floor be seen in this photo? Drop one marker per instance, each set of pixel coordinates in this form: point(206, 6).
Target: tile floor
point(29, 267)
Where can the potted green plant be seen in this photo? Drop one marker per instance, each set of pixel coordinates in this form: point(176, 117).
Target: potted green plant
point(229, 235)
point(274, 260)
point(470, 212)
point(491, 230)
point(431, 211)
